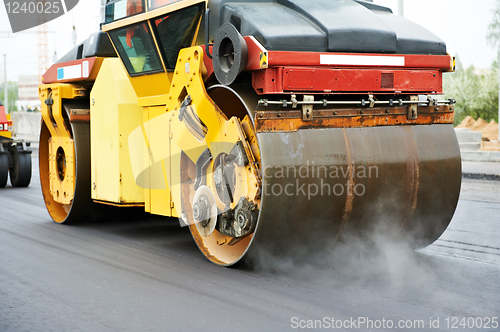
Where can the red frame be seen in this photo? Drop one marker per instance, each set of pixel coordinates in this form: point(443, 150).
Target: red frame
point(331, 80)
point(3, 119)
point(50, 75)
point(415, 61)
point(296, 72)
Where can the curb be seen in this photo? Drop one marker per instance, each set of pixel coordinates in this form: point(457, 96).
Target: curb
point(488, 156)
point(477, 176)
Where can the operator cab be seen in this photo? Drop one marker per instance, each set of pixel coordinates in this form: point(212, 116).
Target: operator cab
point(148, 35)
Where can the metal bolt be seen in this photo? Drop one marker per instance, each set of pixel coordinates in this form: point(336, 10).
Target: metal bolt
point(200, 210)
point(241, 219)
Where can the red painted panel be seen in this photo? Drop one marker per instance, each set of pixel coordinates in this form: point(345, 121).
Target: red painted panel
point(209, 65)
point(286, 58)
point(254, 54)
point(3, 116)
point(426, 81)
point(326, 80)
point(50, 75)
point(268, 80)
point(330, 80)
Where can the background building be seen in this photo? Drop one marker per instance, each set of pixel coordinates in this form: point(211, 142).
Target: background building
point(28, 93)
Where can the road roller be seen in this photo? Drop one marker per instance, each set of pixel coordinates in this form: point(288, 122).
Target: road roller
point(269, 127)
point(15, 155)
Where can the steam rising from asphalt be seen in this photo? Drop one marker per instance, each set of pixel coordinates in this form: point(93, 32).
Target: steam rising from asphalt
point(382, 266)
point(381, 253)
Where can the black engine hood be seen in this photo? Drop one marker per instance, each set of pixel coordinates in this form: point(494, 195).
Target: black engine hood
point(324, 25)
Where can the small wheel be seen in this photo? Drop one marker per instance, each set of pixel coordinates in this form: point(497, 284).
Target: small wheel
point(81, 209)
point(20, 173)
point(4, 169)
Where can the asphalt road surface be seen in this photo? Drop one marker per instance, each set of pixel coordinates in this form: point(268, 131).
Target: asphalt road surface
point(148, 275)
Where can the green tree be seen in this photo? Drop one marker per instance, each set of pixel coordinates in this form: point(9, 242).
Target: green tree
point(493, 36)
point(476, 92)
point(12, 93)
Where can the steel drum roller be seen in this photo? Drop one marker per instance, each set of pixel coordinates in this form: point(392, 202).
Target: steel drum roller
point(404, 178)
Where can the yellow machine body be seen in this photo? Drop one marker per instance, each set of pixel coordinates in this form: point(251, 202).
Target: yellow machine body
point(115, 114)
point(60, 144)
point(6, 134)
point(136, 150)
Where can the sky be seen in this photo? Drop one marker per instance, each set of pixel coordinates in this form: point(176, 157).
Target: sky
point(462, 24)
point(22, 48)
